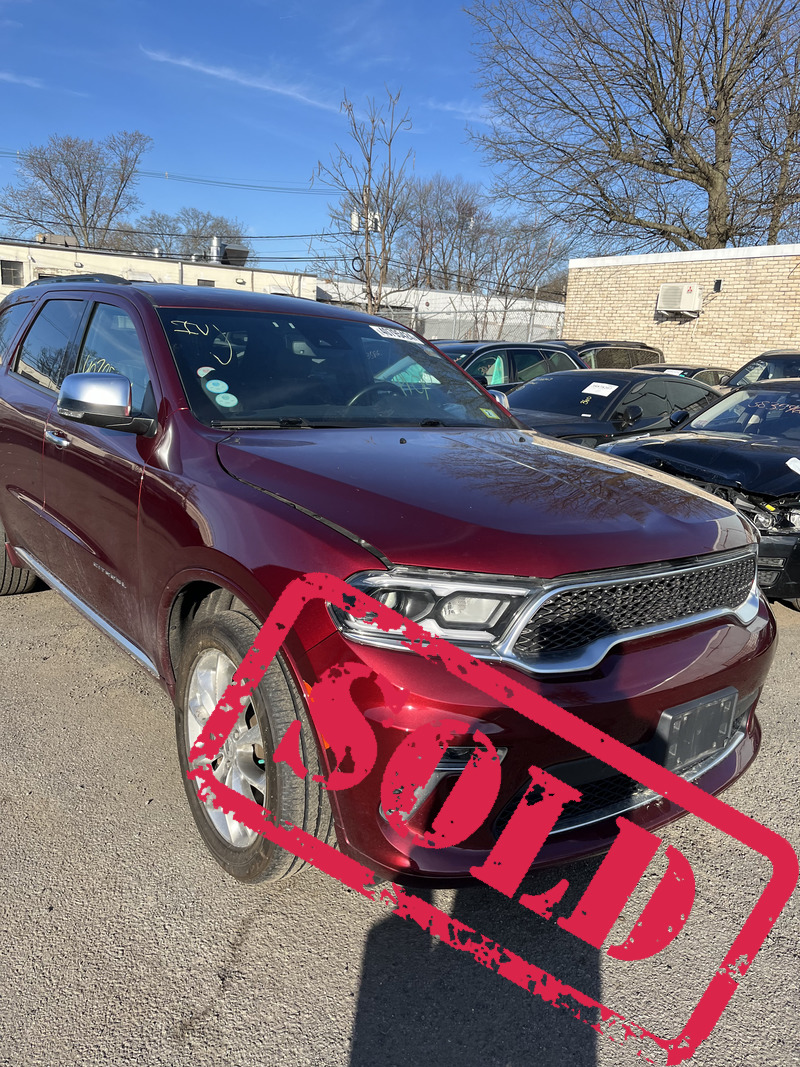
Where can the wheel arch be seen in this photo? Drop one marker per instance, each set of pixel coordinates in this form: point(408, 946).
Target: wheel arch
point(191, 598)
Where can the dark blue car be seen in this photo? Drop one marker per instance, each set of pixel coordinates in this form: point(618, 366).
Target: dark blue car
point(592, 406)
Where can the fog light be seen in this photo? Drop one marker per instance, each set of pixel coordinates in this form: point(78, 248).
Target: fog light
point(454, 760)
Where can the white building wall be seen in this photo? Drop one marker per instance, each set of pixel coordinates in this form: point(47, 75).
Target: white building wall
point(40, 260)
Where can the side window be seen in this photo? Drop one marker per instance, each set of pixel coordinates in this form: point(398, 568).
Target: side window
point(112, 347)
point(493, 366)
point(709, 377)
point(617, 358)
point(42, 354)
point(752, 374)
point(651, 398)
point(687, 397)
point(10, 321)
point(529, 364)
point(646, 355)
point(561, 361)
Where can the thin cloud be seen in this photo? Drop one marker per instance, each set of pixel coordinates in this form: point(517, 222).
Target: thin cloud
point(16, 79)
point(464, 108)
point(360, 39)
point(228, 74)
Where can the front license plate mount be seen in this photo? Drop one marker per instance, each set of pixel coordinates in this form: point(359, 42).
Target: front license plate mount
point(696, 730)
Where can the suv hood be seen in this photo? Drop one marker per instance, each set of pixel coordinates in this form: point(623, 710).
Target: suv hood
point(493, 501)
point(755, 465)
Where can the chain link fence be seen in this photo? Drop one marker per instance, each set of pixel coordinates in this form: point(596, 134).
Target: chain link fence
point(482, 324)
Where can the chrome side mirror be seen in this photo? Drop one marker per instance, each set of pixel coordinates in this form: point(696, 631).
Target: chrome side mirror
point(101, 400)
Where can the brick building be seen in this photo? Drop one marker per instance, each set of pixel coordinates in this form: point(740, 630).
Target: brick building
point(749, 301)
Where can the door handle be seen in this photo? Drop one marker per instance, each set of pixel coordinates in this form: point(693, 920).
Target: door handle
point(56, 438)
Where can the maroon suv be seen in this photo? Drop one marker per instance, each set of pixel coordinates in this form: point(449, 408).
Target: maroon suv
point(172, 457)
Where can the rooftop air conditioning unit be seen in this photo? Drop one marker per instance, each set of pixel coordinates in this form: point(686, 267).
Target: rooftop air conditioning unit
point(64, 240)
point(683, 299)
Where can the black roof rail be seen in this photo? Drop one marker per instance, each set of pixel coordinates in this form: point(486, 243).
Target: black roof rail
point(107, 279)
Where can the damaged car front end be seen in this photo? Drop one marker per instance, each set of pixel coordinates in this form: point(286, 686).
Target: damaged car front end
point(777, 520)
point(746, 450)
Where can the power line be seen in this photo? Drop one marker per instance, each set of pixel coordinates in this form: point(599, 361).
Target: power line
point(222, 183)
point(197, 236)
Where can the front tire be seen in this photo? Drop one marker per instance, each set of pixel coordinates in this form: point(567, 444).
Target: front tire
point(14, 579)
point(215, 647)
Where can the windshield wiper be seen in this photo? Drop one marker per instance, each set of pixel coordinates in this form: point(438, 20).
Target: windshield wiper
point(431, 422)
point(260, 424)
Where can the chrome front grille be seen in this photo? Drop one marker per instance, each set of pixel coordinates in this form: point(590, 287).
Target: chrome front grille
point(575, 616)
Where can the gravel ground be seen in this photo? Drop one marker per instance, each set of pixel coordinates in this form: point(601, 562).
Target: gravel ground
point(124, 944)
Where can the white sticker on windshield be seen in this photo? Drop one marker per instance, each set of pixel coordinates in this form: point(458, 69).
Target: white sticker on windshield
point(216, 385)
point(226, 400)
point(600, 389)
point(203, 371)
point(397, 334)
point(673, 370)
point(793, 464)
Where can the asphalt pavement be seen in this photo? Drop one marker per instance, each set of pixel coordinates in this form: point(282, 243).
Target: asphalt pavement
point(124, 944)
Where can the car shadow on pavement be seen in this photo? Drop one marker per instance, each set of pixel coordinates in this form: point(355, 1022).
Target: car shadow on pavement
point(423, 1004)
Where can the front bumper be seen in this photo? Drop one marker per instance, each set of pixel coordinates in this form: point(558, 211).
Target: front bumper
point(624, 696)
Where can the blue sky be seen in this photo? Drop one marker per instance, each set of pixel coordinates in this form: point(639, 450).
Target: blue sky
point(243, 91)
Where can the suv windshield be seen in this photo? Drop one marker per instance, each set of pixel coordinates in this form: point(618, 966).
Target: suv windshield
point(758, 370)
point(266, 368)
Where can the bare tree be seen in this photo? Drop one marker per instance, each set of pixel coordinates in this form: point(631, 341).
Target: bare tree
point(186, 233)
point(654, 123)
point(521, 252)
point(453, 240)
point(773, 130)
point(370, 177)
point(76, 187)
point(445, 242)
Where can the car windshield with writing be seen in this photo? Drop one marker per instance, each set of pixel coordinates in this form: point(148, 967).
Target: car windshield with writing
point(241, 368)
point(772, 412)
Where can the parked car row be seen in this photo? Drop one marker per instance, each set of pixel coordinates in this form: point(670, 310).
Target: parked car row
point(744, 446)
point(504, 365)
point(777, 363)
point(172, 457)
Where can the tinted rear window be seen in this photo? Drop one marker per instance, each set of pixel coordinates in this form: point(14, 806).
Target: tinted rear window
point(573, 393)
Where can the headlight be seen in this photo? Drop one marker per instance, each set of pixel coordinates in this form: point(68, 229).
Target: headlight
point(777, 520)
point(463, 608)
point(763, 520)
